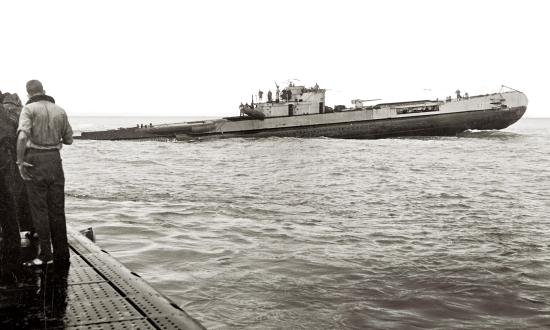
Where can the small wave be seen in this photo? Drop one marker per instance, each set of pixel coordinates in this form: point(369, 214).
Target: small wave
point(77, 195)
point(492, 135)
point(110, 198)
point(444, 195)
point(143, 162)
point(473, 134)
point(421, 138)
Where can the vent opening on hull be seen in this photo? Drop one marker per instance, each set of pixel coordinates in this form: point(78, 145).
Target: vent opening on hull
point(431, 108)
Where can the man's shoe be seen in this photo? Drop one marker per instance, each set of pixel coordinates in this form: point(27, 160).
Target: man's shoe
point(31, 235)
point(37, 263)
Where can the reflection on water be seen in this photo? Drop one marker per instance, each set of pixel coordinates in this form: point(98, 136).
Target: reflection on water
point(324, 233)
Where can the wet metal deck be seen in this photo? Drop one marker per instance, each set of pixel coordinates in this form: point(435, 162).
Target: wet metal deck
point(96, 292)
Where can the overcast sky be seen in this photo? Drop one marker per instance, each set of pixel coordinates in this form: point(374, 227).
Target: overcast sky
point(195, 58)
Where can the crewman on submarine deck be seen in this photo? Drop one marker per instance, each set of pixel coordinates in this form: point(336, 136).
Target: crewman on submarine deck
point(43, 129)
point(10, 244)
point(14, 211)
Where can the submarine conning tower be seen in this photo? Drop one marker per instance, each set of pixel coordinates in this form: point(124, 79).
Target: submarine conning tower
point(294, 100)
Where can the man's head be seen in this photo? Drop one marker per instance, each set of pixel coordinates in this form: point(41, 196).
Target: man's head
point(34, 87)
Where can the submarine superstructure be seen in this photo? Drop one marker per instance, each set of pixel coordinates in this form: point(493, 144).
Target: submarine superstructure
point(301, 112)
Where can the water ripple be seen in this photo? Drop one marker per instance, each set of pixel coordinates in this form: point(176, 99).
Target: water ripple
point(273, 233)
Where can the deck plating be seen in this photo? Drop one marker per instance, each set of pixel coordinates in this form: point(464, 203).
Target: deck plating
point(96, 292)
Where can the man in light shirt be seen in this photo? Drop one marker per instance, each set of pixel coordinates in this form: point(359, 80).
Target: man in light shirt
point(43, 129)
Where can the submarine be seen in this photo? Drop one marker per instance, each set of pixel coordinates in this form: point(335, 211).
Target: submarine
point(299, 111)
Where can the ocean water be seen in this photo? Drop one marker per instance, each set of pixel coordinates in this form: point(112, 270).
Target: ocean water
point(285, 233)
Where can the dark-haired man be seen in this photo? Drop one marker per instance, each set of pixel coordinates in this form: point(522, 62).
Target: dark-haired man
point(43, 129)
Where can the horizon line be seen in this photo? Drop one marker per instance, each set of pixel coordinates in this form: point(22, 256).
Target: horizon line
point(216, 116)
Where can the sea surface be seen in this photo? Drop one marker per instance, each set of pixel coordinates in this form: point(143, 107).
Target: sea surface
point(287, 233)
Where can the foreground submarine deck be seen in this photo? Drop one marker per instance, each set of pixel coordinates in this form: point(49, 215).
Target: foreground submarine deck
point(96, 292)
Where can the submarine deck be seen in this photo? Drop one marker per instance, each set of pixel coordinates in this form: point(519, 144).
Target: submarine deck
point(95, 292)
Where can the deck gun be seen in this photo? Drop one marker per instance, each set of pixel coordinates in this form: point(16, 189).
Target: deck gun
point(359, 103)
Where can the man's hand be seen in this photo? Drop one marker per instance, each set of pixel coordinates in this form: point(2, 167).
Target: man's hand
point(24, 170)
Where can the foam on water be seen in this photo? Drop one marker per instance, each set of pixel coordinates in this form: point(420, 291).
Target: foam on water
point(322, 233)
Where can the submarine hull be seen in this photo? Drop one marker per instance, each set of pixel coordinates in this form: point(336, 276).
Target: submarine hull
point(449, 124)
point(417, 118)
point(445, 124)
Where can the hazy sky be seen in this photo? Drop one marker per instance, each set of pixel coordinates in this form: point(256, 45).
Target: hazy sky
point(197, 58)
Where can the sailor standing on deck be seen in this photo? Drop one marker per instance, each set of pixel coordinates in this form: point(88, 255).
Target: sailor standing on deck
point(43, 129)
point(12, 105)
point(11, 242)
